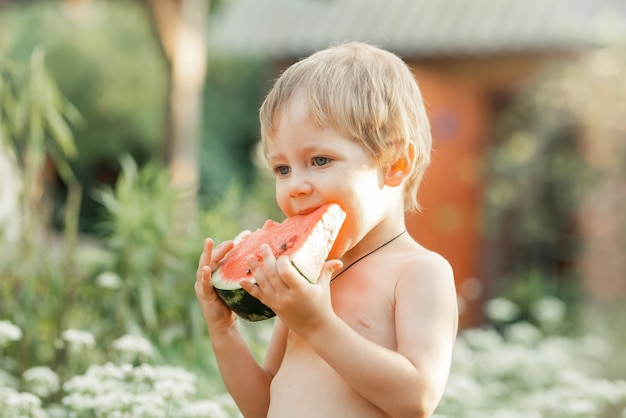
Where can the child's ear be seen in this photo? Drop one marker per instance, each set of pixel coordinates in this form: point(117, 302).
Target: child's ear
point(401, 168)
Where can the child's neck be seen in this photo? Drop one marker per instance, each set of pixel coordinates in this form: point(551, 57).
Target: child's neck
point(389, 241)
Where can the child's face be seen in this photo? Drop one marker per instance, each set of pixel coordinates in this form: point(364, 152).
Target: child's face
point(315, 166)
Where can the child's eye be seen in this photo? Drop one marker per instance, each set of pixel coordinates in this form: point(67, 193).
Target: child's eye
point(320, 161)
point(282, 170)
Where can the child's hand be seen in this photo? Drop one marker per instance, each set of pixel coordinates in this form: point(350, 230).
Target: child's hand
point(299, 304)
point(216, 314)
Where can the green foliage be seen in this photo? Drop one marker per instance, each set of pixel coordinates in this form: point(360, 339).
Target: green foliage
point(41, 109)
point(544, 172)
point(153, 243)
point(35, 117)
point(148, 254)
point(34, 124)
point(109, 64)
point(137, 277)
point(233, 94)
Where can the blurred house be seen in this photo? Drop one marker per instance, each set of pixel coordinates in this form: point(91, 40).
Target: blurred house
point(469, 58)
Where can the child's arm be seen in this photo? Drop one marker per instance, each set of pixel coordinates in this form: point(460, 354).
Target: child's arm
point(407, 382)
point(247, 382)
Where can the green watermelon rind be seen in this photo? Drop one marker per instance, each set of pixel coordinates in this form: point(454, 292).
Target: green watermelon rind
point(245, 305)
point(308, 260)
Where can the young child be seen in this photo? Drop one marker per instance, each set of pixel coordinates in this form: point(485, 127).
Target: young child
point(374, 336)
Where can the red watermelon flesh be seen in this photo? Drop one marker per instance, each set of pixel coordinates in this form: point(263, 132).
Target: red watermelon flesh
point(305, 239)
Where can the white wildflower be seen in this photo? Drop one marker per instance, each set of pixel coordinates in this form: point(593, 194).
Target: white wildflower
point(169, 382)
point(510, 413)
point(42, 381)
point(109, 280)
point(78, 340)
point(98, 379)
point(172, 389)
point(203, 409)
point(227, 403)
point(8, 380)
point(19, 404)
point(580, 407)
point(501, 310)
point(149, 404)
point(486, 339)
point(523, 332)
point(595, 346)
point(463, 389)
point(133, 347)
point(9, 332)
point(144, 391)
point(549, 311)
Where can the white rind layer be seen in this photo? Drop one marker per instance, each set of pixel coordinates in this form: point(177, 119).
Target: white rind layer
point(310, 259)
point(218, 281)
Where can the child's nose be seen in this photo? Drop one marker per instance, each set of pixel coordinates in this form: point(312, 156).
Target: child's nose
point(299, 184)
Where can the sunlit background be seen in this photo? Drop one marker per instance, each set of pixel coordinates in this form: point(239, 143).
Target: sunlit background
point(129, 132)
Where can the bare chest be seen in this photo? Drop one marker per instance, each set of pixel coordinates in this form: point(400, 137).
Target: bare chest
point(366, 304)
point(305, 385)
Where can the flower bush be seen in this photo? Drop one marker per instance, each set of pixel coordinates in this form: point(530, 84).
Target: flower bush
point(513, 368)
point(112, 390)
point(131, 388)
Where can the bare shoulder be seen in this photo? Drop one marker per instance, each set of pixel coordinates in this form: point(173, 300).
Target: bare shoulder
point(420, 264)
point(425, 288)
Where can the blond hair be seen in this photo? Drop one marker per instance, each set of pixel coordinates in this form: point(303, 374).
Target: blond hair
point(364, 93)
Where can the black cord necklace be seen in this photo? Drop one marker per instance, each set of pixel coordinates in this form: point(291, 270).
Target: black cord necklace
point(363, 256)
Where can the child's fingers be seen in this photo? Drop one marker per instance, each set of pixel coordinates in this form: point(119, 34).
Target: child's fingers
point(259, 272)
point(270, 264)
point(329, 268)
point(207, 284)
point(212, 255)
point(252, 288)
point(290, 278)
point(216, 314)
point(219, 252)
point(207, 250)
point(203, 283)
point(205, 259)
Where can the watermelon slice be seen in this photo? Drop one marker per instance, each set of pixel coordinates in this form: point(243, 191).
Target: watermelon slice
point(306, 239)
